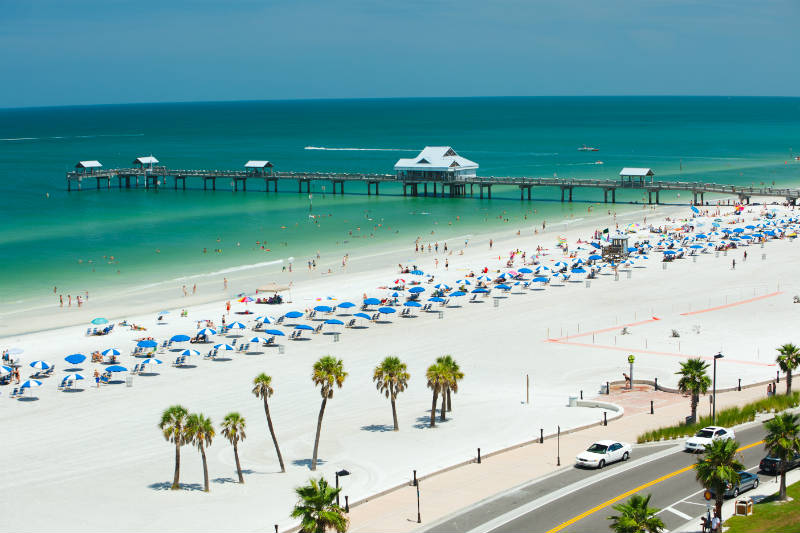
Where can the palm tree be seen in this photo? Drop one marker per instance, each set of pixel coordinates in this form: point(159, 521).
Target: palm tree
point(328, 371)
point(783, 441)
point(437, 377)
point(391, 377)
point(200, 432)
point(317, 508)
point(788, 359)
point(263, 389)
point(636, 516)
point(173, 421)
point(233, 426)
point(694, 381)
point(718, 468)
point(455, 375)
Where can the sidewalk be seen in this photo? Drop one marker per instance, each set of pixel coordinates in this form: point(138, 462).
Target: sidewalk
point(766, 488)
point(448, 492)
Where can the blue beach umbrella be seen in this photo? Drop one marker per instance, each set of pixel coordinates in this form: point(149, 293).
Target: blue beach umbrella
point(236, 325)
point(595, 257)
point(75, 359)
point(525, 270)
point(31, 383)
point(578, 271)
point(442, 286)
point(463, 282)
point(418, 272)
point(669, 252)
point(265, 319)
point(416, 290)
point(111, 351)
point(151, 361)
point(293, 314)
point(387, 310)
point(484, 278)
point(71, 377)
point(5, 370)
point(412, 304)
point(226, 347)
point(180, 338)
point(334, 322)
point(304, 327)
point(190, 352)
point(98, 321)
point(39, 365)
point(395, 295)
point(347, 305)
point(539, 279)
point(365, 316)
point(479, 290)
point(323, 309)
point(502, 286)
point(632, 248)
point(116, 368)
point(701, 236)
point(596, 245)
point(738, 230)
point(694, 209)
point(276, 332)
point(436, 299)
point(697, 246)
point(457, 293)
point(372, 301)
point(147, 344)
point(258, 340)
point(207, 332)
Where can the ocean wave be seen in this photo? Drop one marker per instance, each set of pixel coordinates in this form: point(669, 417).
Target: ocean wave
point(361, 149)
point(12, 139)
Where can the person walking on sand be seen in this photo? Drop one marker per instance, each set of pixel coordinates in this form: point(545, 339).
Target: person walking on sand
point(733, 264)
point(61, 300)
point(194, 288)
point(491, 243)
point(228, 307)
point(97, 378)
point(69, 300)
point(224, 283)
point(184, 290)
point(446, 264)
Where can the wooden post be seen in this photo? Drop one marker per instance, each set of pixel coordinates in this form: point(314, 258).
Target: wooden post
point(527, 389)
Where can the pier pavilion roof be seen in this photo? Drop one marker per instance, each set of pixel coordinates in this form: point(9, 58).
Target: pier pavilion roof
point(258, 164)
point(436, 158)
point(636, 172)
point(88, 164)
point(145, 160)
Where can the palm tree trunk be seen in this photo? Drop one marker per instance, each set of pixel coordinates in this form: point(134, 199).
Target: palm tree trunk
point(238, 465)
point(176, 480)
point(719, 494)
point(205, 467)
point(442, 410)
point(316, 439)
point(394, 415)
point(272, 432)
point(782, 493)
point(433, 408)
point(788, 383)
point(449, 405)
point(695, 401)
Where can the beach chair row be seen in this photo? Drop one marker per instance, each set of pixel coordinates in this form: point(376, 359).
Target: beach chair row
point(92, 332)
point(44, 373)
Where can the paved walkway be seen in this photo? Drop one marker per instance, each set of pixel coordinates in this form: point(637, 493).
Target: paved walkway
point(450, 491)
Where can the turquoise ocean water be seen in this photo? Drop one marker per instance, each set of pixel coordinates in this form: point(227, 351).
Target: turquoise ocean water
point(68, 239)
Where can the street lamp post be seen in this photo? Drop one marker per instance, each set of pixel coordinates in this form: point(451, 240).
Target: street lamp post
point(558, 447)
point(714, 391)
point(416, 483)
point(340, 473)
point(631, 359)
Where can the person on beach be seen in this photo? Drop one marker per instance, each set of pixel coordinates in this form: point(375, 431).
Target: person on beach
point(194, 288)
point(184, 290)
point(733, 264)
point(228, 307)
point(491, 243)
point(69, 300)
point(225, 283)
point(97, 378)
point(61, 300)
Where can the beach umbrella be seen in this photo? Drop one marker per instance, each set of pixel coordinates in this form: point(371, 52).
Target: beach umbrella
point(541, 268)
point(116, 368)
point(632, 248)
point(696, 246)
point(418, 272)
point(479, 290)
point(180, 338)
point(31, 383)
point(304, 327)
point(412, 304)
point(750, 226)
point(236, 325)
point(525, 270)
point(463, 282)
point(694, 209)
point(111, 351)
point(559, 264)
point(365, 316)
point(436, 299)
point(276, 332)
point(259, 340)
point(347, 305)
point(39, 365)
point(334, 322)
point(484, 278)
point(323, 309)
point(442, 286)
point(595, 257)
point(701, 236)
point(5, 370)
point(372, 301)
point(387, 310)
point(669, 252)
point(265, 319)
point(457, 293)
point(596, 245)
point(147, 344)
point(75, 359)
point(245, 300)
point(539, 280)
point(738, 230)
point(152, 361)
point(190, 352)
point(98, 321)
point(70, 377)
point(207, 332)
point(416, 290)
point(293, 314)
point(226, 347)
point(578, 271)
point(395, 295)
point(502, 286)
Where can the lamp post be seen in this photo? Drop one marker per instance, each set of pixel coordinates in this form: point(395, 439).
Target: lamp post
point(416, 483)
point(558, 447)
point(631, 359)
point(714, 391)
point(340, 473)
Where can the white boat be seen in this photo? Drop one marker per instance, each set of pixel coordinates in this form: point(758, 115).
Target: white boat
point(585, 148)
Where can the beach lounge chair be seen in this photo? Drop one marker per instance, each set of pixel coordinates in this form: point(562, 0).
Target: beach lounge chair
point(234, 342)
point(280, 320)
point(270, 341)
point(49, 371)
point(318, 329)
point(351, 323)
point(14, 393)
point(259, 326)
point(474, 297)
point(295, 334)
point(177, 361)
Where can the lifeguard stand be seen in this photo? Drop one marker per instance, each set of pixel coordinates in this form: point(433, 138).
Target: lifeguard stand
point(617, 251)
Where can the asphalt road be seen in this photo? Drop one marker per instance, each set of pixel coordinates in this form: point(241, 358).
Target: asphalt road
point(577, 500)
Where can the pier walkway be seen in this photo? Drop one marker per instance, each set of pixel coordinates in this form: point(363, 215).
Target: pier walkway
point(158, 176)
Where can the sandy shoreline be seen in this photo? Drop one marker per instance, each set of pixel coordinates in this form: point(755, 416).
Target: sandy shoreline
point(110, 459)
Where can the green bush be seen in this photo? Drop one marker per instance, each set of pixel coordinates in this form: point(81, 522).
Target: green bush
point(726, 417)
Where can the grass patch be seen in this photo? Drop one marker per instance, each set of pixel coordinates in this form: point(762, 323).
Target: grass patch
point(727, 417)
point(770, 516)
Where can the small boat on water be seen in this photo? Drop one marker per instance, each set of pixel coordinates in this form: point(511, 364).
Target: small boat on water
point(585, 148)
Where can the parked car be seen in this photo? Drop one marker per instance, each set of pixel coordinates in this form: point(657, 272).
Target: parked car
point(604, 452)
point(706, 436)
point(771, 465)
point(747, 481)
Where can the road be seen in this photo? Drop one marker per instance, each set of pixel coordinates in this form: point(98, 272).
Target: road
point(577, 501)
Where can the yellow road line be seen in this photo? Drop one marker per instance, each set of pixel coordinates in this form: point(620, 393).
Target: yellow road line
point(633, 491)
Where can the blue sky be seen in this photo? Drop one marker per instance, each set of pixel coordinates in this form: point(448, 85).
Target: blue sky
point(114, 51)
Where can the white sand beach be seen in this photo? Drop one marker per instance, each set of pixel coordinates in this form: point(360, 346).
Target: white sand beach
point(95, 460)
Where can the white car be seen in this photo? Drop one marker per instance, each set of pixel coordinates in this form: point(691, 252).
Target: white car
point(705, 436)
point(604, 452)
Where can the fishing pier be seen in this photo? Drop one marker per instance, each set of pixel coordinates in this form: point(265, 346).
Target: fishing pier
point(453, 182)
